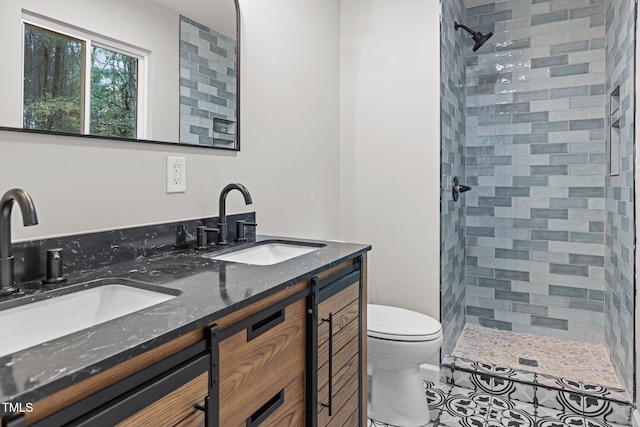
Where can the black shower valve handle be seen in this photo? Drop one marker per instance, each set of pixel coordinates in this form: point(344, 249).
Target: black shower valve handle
point(458, 188)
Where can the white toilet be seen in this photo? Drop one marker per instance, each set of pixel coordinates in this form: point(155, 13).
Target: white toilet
point(398, 342)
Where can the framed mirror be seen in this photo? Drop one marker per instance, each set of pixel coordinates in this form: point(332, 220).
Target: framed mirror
point(160, 71)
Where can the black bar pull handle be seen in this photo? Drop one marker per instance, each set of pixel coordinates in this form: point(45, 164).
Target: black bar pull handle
point(264, 324)
point(207, 408)
point(329, 404)
point(265, 410)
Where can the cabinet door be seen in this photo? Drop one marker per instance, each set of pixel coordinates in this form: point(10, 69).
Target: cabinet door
point(338, 357)
point(337, 354)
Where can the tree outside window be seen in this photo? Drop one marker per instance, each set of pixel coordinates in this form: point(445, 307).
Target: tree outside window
point(56, 87)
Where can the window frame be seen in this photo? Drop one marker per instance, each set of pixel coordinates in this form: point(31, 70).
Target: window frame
point(90, 40)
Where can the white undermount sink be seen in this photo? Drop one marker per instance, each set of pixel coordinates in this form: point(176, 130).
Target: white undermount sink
point(37, 322)
point(267, 253)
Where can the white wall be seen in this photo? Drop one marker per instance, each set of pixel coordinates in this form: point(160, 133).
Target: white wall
point(290, 145)
point(390, 152)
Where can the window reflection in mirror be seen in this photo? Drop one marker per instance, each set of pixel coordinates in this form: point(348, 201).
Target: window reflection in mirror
point(53, 81)
point(55, 84)
point(114, 93)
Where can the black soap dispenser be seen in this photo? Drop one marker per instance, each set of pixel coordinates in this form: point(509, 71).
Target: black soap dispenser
point(54, 267)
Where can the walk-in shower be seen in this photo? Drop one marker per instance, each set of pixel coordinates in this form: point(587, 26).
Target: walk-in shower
point(539, 122)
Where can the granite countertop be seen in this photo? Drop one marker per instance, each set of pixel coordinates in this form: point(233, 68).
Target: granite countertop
point(209, 290)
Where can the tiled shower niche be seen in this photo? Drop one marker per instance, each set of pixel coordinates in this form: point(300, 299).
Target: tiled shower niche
point(548, 232)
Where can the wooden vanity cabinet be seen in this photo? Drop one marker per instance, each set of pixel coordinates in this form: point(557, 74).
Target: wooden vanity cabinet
point(275, 365)
point(166, 386)
point(292, 359)
point(337, 326)
point(256, 371)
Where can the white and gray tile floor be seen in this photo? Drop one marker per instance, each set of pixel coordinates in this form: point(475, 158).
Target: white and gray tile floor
point(453, 406)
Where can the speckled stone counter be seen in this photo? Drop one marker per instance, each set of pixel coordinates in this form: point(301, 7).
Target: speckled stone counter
point(208, 289)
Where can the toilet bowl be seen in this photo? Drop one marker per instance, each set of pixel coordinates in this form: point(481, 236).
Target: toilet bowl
point(398, 342)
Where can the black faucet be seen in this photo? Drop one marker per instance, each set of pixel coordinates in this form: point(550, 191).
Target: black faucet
point(29, 217)
point(222, 212)
point(202, 236)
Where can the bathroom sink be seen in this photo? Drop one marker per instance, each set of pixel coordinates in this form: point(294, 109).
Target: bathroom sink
point(266, 253)
point(62, 312)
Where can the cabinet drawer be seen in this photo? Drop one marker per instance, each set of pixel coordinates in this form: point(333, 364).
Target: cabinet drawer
point(196, 419)
point(259, 361)
point(174, 407)
point(289, 408)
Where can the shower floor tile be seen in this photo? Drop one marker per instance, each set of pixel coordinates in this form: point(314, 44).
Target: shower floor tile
point(573, 361)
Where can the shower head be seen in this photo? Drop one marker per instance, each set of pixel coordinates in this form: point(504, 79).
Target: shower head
point(477, 36)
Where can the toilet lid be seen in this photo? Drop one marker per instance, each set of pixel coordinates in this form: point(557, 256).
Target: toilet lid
point(399, 324)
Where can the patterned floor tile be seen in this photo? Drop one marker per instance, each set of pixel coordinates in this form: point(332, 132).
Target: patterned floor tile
point(472, 381)
point(511, 418)
point(436, 397)
point(471, 421)
point(453, 406)
point(612, 412)
point(446, 375)
point(523, 392)
point(571, 420)
point(619, 395)
point(550, 381)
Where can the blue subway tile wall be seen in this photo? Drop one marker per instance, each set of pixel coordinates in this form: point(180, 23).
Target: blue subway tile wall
point(535, 155)
point(453, 112)
point(619, 198)
point(207, 85)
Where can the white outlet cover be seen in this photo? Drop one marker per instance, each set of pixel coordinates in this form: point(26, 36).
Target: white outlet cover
point(176, 174)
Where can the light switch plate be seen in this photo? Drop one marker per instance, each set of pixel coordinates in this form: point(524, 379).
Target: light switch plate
point(176, 174)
